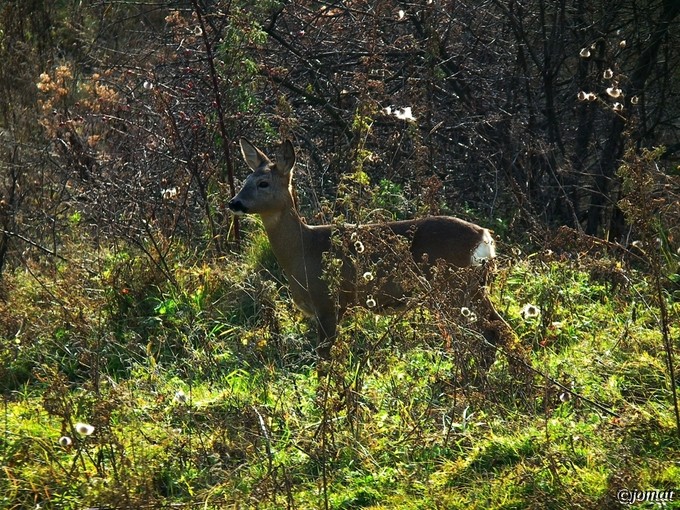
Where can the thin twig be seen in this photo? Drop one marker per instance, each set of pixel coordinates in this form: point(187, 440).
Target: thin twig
point(549, 379)
point(33, 243)
point(667, 343)
point(226, 147)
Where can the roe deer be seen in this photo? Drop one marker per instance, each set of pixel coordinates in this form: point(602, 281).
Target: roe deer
point(299, 248)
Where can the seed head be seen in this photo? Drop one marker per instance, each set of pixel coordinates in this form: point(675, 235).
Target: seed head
point(530, 311)
point(614, 92)
point(404, 113)
point(84, 429)
point(65, 441)
point(370, 301)
point(586, 96)
point(169, 194)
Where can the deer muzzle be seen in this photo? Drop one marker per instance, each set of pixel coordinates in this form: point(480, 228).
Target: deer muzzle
point(236, 206)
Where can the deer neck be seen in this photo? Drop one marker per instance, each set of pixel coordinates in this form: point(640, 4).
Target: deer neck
point(286, 233)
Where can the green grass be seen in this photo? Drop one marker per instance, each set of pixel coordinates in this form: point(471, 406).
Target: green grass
point(203, 391)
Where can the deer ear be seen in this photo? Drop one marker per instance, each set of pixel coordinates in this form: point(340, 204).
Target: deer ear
point(285, 157)
point(253, 156)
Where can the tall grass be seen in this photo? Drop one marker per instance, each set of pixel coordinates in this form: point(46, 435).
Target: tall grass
point(202, 389)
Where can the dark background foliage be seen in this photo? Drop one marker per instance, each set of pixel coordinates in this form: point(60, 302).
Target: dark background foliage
point(137, 107)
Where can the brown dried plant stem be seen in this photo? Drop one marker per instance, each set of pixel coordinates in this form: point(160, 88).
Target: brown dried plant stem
point(226, 146)
point(667, 343)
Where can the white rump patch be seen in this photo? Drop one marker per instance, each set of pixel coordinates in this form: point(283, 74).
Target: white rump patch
point(485, 250)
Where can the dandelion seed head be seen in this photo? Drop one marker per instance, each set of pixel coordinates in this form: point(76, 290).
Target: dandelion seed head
point(565, 396)
point(169, 194)
point(617, 107)
point(529, 311)
point(65, 441)
point(404, 113)
point(367, 276)
point(370, 301)
point(359, 246)
point(614, 92)
point(84, 429)
point(584, 53)
point(608, 74)
point(634, 100)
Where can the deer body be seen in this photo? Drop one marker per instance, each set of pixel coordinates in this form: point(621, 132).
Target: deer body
point(299, 248)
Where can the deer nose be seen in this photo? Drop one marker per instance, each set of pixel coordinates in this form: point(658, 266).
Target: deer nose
point(237, 206)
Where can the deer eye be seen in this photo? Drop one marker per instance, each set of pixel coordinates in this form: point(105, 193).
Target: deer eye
point(263, 184)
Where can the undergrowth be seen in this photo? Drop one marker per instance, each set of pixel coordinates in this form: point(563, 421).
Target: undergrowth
point(202, 388)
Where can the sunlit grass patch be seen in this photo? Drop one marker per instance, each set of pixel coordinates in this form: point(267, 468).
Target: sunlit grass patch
point(205, 389)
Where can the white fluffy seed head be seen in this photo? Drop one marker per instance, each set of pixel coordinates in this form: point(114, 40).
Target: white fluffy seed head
point(530, 311)
point(84, 429)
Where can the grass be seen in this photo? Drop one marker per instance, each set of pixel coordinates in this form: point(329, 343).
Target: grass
point(201, 389)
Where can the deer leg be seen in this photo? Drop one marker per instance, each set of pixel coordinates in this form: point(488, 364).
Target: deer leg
point(502, 329)
point(495, 330)
point(327, 327)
